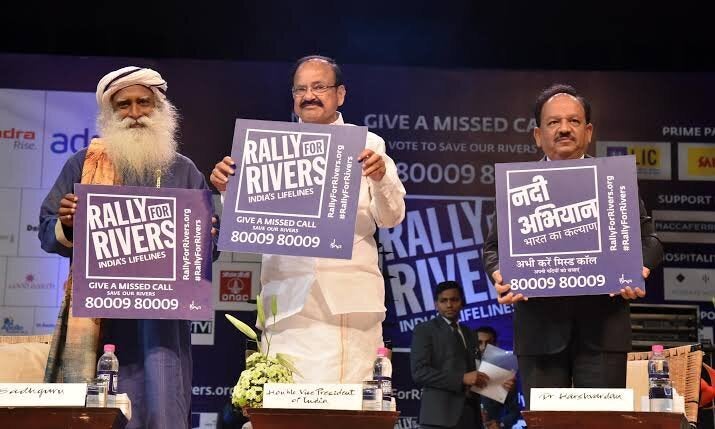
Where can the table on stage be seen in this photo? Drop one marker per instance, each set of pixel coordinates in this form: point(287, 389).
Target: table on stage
point(604, 419)
point(62, 417)
point(273, 418)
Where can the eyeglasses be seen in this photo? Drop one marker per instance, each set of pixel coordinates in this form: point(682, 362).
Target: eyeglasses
point(316, 88)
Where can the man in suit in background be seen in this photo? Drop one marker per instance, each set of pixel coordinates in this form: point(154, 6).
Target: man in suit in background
point(578, 341)
point(442, 362)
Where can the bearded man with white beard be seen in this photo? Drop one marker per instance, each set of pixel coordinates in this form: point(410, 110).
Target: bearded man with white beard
point(137, 147)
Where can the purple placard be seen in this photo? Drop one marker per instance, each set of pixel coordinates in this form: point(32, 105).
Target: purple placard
point(295, 191)
point(569, 227)
point(142, 253)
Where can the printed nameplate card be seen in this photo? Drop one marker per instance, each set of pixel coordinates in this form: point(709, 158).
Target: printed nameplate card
point(556, 399)
point(42, 394)
point(318, 396)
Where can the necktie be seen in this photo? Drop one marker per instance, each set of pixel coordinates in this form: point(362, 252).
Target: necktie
point(462, 346)
point(458, 337)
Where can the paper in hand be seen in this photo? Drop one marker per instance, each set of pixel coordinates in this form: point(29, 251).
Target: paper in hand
point(499, 366)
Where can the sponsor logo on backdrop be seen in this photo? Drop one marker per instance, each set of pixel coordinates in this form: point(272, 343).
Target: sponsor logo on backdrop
point(70, 142)
point(696, 161)
point(202, 327)
point(407, 423)
point(235, 286)
point(652, 158)
point(646, 156)
point(45, 319)
point(202, 332)
point(689, 284)
point(10, 327)
point(67, 129)
point(19, 139)
point(44, 325)
point(701, 161)
point(685, 226)
point(30, 283)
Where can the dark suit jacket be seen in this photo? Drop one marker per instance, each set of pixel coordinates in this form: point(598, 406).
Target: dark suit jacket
point(598, 322)
point(438, 367)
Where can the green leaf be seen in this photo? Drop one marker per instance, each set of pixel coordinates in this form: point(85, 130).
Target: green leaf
point(274, 305)
point(287, 361)
point(247, 331)
point(261, 313)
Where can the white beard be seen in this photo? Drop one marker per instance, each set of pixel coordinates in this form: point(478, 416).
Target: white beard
point(140, 154)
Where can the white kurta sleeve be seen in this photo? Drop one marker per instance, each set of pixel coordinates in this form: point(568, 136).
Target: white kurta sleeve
point(387, 196)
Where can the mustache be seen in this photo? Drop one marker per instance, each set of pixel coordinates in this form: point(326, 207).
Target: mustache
point(561, 136)
point(143, 121)
point(314, 102)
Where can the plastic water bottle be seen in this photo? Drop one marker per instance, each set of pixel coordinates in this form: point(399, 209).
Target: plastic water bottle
point(108, 369)
point(660, 389)
point(382, 372)
point(371, 396)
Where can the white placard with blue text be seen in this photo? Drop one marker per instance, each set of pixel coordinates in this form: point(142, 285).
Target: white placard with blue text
point(295, 189)
point(569, 227)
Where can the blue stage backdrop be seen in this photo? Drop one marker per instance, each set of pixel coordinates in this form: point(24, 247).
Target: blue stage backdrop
point(444, 128)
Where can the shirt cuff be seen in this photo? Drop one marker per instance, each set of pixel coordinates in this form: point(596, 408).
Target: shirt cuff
point(386, 185)
point(60, 234)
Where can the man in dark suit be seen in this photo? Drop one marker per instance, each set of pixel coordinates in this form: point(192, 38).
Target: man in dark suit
point(442, 362)
point(578, 341)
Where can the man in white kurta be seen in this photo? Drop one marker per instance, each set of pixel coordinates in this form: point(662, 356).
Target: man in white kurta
point(331, 311)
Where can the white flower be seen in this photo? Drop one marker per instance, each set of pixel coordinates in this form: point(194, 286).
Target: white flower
point(260, 369)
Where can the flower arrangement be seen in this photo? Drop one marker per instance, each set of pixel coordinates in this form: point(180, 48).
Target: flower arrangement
point(260, 367)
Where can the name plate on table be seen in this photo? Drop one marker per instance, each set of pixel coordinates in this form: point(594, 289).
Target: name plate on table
point(42, 394)
point(313, 396)
point(553, 399)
